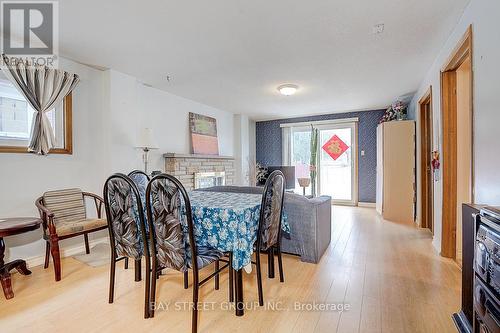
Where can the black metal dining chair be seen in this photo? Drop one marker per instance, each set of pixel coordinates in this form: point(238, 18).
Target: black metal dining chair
point(127, 230)
point(141, 180)
point(165, 197)
point(269, 229)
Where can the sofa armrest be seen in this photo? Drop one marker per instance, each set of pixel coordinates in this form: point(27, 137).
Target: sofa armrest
point(310, 225)
point(320, 200)
point(323, 227)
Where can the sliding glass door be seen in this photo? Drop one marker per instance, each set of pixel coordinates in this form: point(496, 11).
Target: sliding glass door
point(300, 156)
point(337, 158)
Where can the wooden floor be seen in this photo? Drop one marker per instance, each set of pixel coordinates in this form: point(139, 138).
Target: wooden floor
point(388, 274)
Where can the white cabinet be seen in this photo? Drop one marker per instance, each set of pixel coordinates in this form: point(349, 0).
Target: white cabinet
point(396, 170)
point(380, 168)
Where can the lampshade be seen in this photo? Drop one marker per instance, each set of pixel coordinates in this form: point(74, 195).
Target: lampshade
point(146, 139)
point(304, 182)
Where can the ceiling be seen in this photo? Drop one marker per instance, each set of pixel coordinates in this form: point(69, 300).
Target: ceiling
point(232, 55)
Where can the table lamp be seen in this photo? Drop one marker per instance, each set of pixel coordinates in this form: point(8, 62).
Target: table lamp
point(146, 142)
point(304, 182)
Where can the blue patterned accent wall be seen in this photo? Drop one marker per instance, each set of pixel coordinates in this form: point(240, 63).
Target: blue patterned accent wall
point(268, 145)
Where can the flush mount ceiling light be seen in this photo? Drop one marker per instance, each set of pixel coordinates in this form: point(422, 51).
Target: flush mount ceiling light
point(288, 89)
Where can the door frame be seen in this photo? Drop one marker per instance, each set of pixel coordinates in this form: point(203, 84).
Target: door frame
point(353, 125)
point(462, 52)
point(426, 121)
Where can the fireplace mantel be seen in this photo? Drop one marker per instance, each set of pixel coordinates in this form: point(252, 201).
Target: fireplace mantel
point(197, 156)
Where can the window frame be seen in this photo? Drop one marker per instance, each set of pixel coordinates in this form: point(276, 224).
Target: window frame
point(68, 132)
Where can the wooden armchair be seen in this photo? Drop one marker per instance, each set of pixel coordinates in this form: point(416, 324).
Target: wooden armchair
point(64, 216)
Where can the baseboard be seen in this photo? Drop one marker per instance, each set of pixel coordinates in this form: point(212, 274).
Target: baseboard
point(65, 252)
point(366, 204)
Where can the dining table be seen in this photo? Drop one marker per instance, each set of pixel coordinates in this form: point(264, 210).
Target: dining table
point(229, 222)
point(10, 227)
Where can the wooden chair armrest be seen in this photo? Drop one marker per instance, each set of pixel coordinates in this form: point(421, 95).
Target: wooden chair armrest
point(42, 208)
point(98, 201)
point(46, 215)
point(89, 194)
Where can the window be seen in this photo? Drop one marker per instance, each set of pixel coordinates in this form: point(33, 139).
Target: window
point(16, 118)
point(301, 155)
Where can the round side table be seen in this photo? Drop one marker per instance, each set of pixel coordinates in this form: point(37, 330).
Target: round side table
point(10, 227)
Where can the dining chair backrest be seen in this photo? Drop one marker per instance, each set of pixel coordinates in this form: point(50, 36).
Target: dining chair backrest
point(141, 180)
point(125, 216)
point(169, 211)
point(268, 233)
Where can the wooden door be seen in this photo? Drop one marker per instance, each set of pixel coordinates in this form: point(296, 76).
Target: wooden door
point(426, 177)
point(449, 119)
point(449, 110)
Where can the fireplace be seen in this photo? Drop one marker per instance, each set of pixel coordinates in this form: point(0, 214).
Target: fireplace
point(209, 179)
point(196, 171)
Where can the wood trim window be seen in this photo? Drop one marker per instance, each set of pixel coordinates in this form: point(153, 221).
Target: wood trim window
point(67, 134)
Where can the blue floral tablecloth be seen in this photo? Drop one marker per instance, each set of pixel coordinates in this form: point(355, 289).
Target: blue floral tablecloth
point(228, 222)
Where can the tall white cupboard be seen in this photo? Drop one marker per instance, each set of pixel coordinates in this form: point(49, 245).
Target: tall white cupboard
point(396, 170)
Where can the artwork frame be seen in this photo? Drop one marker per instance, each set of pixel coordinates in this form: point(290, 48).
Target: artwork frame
point(203, 131)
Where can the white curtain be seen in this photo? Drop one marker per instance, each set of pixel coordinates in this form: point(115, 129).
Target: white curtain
point(44, 88)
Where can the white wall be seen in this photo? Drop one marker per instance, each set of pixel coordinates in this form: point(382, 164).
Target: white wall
point(484, 17)
point(245, 150)
point(134, 106)
point(238, 149)
point(242, 148)
point(252, 151)
point(109, 109)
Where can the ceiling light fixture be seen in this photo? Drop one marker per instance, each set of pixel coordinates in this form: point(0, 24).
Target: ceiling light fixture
point(288, 89)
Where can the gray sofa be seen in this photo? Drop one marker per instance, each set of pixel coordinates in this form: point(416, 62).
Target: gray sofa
point(309, 220)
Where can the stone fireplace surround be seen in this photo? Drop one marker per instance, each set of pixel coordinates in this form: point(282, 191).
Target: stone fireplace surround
point(184, 166)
